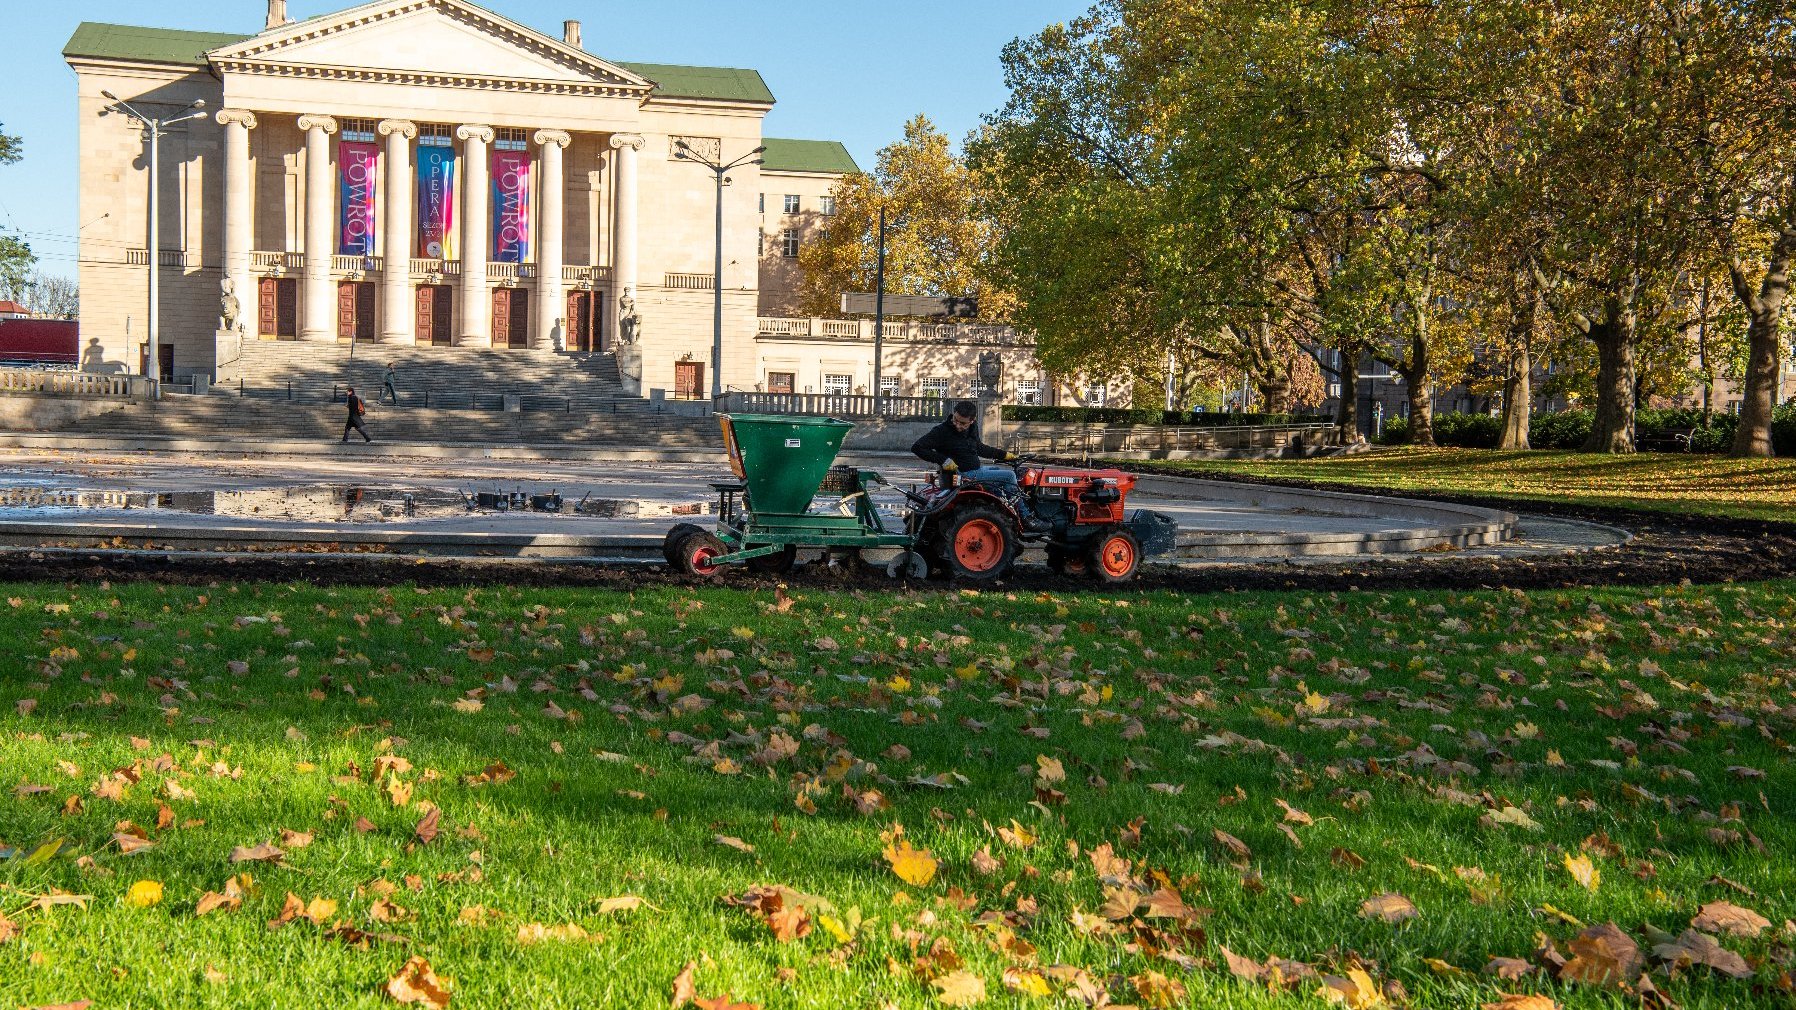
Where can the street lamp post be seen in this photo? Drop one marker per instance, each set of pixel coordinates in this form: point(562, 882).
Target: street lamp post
point(684, 152)
point(153, 129)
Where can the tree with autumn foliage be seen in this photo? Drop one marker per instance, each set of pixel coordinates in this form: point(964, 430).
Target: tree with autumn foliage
point(935, 236)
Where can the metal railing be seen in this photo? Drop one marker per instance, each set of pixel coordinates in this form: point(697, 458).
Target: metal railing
point(1100, 439)
point(97, 385)
point(892, 408)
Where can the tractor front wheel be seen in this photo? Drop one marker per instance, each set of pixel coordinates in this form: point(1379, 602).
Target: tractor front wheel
point(978, 543)
point(1115, 555)
point(697, 553)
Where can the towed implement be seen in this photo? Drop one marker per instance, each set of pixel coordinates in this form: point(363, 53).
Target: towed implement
point(953, 527)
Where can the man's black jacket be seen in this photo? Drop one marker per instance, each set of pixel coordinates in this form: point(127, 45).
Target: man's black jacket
point(355, 406)
point(963, 447)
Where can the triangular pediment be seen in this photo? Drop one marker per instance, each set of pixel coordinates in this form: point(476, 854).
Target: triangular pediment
point(432, 41)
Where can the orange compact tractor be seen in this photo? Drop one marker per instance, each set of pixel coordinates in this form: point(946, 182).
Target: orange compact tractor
point(966, 529)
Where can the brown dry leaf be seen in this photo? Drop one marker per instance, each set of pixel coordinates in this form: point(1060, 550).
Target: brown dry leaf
point(915, 867)
point(1241, 967)
point(1390, 907)
point(8, 928)
point(1294, 815)
point(1016, 836)
point(1696, 947)
point(1520, 1001)
point(1604, 956)
point(623, 903)
point(723, 1002)
point(1049, 770)
point(1727, 917)
point(984, 863)
point(212, 901)
point(535, 932)
point(263, 853)
point(1157, 990)
point(1510, 968)
point(386, 910)
point(789, 923)
point(1235, 847)
point(416, 983)
point(295, 839)
point(128, 843)
point(426, 831)
point(684, 989)
point(959, 988)
point(733, 842)
point(291, 909)
point(1356, 991)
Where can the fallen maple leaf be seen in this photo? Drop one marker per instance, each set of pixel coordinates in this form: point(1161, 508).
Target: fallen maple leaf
point(915, 867)
point(212, 901)
point(263, 853)
point(1389, 907)
point(1520, 1001)
point(535, 932)
point(684, 990)
point(426, 831)
point(1696, 947)
point(624, 903)
point(789, 922)
point(144, 893)
point(959, 988)
point(1727, 917)
point(733, 842)
point(416, 983)
point(1583, 870)
point(1356, 991)
point(1603, 955)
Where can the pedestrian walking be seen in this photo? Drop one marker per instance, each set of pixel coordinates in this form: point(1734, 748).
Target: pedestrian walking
point(387, 388)
point(356, 409)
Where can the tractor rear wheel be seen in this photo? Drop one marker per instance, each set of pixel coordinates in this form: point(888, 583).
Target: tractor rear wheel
point(670, 547)
point(978, 543)
point(696, 554)
point(1115, 555)
point(778, 563)
point(1066, 562)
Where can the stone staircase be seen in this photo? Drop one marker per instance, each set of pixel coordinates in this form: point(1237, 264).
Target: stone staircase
point(466, 377)
point(233, 419)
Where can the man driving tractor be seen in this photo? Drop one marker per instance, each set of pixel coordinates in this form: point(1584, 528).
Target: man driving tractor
point(954, 445)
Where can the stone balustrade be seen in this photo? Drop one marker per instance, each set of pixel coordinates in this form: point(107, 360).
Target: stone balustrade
point(914, 331)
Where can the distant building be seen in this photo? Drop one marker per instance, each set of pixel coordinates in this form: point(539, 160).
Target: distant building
point(13, 310)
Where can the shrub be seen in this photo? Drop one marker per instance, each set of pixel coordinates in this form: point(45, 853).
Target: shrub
point(1396, 431)
point(1783, 428)
point(1565, 429)
point(1468, 431)
point(1151, 415)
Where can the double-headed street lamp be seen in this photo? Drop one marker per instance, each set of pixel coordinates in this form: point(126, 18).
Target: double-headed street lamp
point(153, 129)
point(684, 152)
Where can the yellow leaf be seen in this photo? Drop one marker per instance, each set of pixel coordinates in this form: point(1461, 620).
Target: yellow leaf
point(1027, 983)
point(1049, 770)
point(320, 909)
point(1583, 870)
point(1355, 992)
point(915, 867)
point(625, 903)
point(960, 988)
point(144, 893)
point(468, 705)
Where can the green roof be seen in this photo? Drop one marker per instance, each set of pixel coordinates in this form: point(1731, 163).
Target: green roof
point(148, 45)
point(170, 45)
point(807, 156)
point(723, 83)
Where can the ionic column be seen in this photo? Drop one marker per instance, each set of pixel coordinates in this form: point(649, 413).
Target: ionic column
point(318, 321)
point(476, 314)
point(623, 248)
point(549, 308)
point(237, 216)
point(397, 313)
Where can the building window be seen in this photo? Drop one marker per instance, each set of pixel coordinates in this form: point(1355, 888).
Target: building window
point(976, 388)
point(763, 205)
point(791, 204)
point(435, 135)
point(936, 387)
point(826, 205)
point(837, 385)
point(789, 243)
point(760, 243)
point(506, 138)
point(781, 382)
point(888, 385)
point(1096, 394)
point(357, 130)
point(1028, 391)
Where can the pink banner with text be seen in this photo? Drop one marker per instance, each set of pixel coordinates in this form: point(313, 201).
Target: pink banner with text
point(511, 206)
point(357, 165)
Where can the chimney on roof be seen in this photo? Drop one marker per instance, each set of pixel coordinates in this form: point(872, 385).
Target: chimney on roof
point(570, 33)
point(277, 15)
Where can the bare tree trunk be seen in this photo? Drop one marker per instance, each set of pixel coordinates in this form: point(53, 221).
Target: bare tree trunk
point(1764, 346)
point(1348, 412)
point(1612, 430)
point(1275, 392)
point(1518, 388)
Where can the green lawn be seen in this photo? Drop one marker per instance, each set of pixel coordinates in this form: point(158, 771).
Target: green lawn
point(1111, 791)
point(1662, 482)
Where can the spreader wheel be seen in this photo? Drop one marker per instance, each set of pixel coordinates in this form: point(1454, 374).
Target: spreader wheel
point(697, 552)
point(1115, 554)
point(670, 547)
point(775, 564)
point(979, 544)
point(1064, 562)
point(908, 565)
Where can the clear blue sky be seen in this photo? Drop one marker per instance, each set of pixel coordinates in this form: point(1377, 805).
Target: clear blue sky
point(845, 70)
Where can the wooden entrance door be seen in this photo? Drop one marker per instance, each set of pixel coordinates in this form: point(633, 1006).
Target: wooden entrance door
point(689, 380)
point(781, 382)
point(585, 321)
point(436, 314)
point(511, 318)
point(277, 315)
point(165, 360)
point(355, 310)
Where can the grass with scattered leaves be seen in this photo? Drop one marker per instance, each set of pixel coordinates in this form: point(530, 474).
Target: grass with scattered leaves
point(1683, 484)
point(281, 796)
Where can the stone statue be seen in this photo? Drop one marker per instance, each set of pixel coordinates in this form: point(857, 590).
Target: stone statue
point(629, 322)
point(228, 304)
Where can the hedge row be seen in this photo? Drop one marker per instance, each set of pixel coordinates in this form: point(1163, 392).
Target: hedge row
point(1568, 429)
point(1154, 415)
